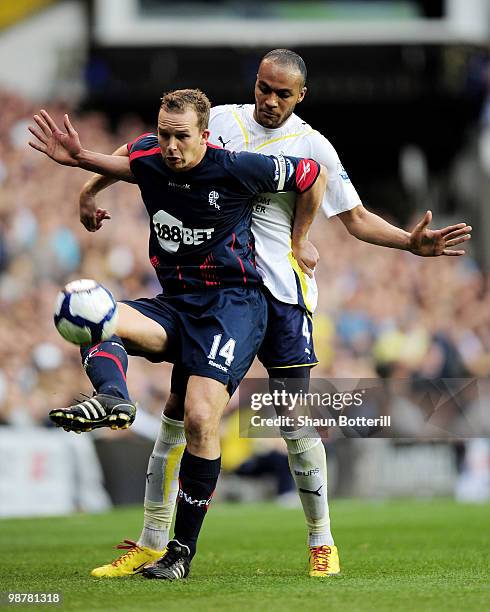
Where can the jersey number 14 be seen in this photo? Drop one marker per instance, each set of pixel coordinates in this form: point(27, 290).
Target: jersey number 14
point(226, 350)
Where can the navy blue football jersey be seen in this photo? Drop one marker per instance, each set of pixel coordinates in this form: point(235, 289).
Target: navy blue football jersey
point(200, 219)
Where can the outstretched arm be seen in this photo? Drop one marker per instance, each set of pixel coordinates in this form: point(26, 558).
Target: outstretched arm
point(307, 205)
point(421, 241)
point(65, 148)
point(91, 216)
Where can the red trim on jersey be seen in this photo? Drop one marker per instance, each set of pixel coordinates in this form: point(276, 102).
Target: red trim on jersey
point(213, 146)
point(207, 272)
point(181, 278)
point(130, 144)
point(252, 250)
point(114, 359)
point(306, 174)
point(136, 154)
point(241, 262)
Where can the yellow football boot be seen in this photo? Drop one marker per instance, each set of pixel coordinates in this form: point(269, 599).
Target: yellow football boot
point(324, 561)
point(131, 562)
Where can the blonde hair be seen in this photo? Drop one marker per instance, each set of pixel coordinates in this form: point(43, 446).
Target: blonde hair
point(179, 100)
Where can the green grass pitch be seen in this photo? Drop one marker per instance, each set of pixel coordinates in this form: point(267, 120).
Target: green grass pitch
point(401, 555)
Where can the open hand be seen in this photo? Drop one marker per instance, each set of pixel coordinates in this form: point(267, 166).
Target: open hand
point(62, 147)
point(432, 243)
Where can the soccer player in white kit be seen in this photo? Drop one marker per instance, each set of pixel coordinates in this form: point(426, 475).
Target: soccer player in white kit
point(271, 127)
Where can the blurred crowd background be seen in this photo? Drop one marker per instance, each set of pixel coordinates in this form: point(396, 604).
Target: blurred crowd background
point(381, 312)
point(414, 134)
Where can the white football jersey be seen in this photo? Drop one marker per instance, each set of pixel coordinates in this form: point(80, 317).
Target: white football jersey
point(233, 126)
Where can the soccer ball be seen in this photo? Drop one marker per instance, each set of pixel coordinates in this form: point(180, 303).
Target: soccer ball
point(85, 312)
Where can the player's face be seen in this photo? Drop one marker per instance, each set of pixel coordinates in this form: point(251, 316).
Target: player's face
point(277, 91)
point(182, 143)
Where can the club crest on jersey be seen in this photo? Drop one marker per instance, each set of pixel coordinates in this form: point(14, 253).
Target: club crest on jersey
point(213, 199)
point(342, 173)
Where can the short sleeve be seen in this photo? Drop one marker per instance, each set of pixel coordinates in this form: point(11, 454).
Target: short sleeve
point(340, 194)
point(146, 144)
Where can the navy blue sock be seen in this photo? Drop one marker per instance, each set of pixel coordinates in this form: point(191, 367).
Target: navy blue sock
point(197, 482)
point(106, 365)
point(293, 380)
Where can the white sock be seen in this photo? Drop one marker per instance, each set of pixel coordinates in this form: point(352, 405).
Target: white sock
point(162, 484)
point(308, 464)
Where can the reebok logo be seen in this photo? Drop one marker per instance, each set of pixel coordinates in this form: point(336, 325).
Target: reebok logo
point(217, 365)
point(306, 175)
point(306, 169)
point(179, 185)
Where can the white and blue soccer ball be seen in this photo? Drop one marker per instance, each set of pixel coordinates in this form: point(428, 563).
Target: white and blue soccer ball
point(85, 312)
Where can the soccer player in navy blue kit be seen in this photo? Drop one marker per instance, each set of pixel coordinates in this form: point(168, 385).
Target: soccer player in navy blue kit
point(211, 317)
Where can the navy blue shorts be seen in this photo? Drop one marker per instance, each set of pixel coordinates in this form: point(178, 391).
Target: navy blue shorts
point(288, 340)
point(215, 334)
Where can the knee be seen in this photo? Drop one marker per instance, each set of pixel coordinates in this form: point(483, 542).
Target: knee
point(200, 423)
